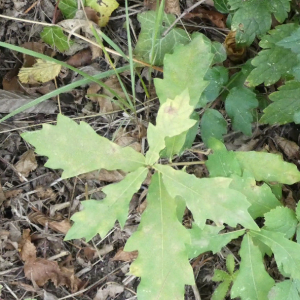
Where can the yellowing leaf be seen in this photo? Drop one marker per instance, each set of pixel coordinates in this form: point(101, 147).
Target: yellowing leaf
point(77, 148)
point(161, 240)
point(100, 216)
point(172, 119)
point(104, 7)
point(41, 71)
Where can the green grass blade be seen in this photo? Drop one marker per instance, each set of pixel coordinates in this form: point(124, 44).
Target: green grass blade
point(130, 52)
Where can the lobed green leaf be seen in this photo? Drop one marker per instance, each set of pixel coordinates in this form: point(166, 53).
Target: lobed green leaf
point(77, 148)
point(252, 281)
point(208, 198)
point(162, 262)
point(100, 216)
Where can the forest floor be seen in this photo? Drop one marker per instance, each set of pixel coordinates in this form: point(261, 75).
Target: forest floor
point(36, 205)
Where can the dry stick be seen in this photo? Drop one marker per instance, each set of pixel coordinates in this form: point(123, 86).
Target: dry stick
point(186, 11)
point(83, 38)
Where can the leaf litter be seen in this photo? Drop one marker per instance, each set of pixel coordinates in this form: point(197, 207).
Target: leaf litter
point(17, 198)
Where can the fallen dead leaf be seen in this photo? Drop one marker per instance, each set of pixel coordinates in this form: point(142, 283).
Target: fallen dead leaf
point(104, 175)
point(2, 195)
point(290, 148)
point(234, 52)
point(81, 58)
point(125, 256)
point(59, 226)
point(105, 100)
point(215, 17)
point(40, 270)
point(10, 101)
point(112, 290)
point(45, 193)
point(26, 163)
point(124, 139)
point(12, 193)
point(171, 6)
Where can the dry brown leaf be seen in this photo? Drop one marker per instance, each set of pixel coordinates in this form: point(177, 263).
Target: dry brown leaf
point(26, 163)
point(106, 103)
point(59, 226)
point(112, 290)
point(215, 17)
point(234, 52)
point(171, 6)
point(81, 58)
point(9, 101)
point(125, 256)
point(45, 193)
point(290, 148)
point(40, 270)
point(124, 139)
point(104, 175)
point(2, 195)
point(12, 193)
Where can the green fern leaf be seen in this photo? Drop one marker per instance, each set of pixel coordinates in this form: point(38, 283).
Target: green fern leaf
point(160, 238)
point(273, 61)
point(77, 148)
point(254, 17)
point(252, 281)
point(100, 216)
point(208, 198)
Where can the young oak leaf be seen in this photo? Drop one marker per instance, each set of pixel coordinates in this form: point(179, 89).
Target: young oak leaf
point(100, 216)
point(55, 37)
point(185, 69)
point(172, 119)
point(239, 106)
point(77, 148)
point(162, 44)
point(252, 281)
point(254, 17)
point(281, 219)
point(160, 238)
point(209, 239)
point(286, 105)
point(285, 251)
point(208, 198)
point(274, 60)
point(104, 8)
point(41, 71)
point(261, 165)
point(287, 289)
point(261, 197)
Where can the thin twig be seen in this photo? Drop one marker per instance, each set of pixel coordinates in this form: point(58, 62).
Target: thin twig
point(186, 11)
